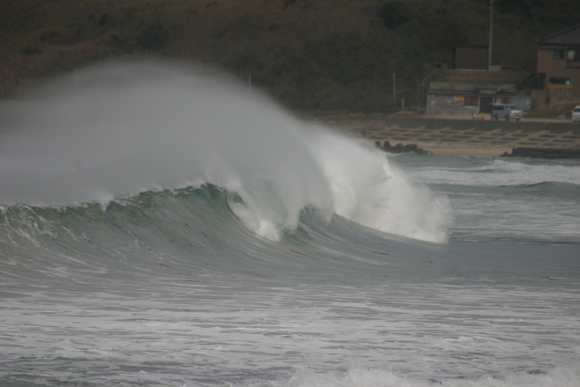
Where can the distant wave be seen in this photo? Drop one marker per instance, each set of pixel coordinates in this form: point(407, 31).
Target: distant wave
point(501, 173)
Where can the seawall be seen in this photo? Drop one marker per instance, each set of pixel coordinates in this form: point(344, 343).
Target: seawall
point(483, 125)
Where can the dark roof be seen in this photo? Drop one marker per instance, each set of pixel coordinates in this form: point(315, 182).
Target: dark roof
point(472, 46)
point(470, 93)
point(567, 37)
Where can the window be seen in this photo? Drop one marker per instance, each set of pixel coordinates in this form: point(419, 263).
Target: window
point(560, 81)
point(558, 54)
point(574, 55)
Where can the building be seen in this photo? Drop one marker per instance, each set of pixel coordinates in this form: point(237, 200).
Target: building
point(469, 88)
point(558, 67)
point(467, 92)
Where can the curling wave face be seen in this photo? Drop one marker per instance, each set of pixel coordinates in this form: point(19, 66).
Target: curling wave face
point(121, 128)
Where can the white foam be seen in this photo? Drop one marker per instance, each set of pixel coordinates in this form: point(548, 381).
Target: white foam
point(368, 190)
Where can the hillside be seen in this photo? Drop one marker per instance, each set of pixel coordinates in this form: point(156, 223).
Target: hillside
point(308, 54)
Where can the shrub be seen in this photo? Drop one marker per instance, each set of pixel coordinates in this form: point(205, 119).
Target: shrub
point(394, 14)
point(31, 50)
point(152, 37)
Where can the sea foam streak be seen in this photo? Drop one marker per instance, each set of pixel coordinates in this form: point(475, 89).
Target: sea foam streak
point(125, 127)
point(559, 377)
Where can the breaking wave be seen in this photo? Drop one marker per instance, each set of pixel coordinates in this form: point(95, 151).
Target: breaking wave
point(119, 129)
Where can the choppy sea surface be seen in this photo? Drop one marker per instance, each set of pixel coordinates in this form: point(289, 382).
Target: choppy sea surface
point(160, 226)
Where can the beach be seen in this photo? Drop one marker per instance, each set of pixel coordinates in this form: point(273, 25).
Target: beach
point(458, 136)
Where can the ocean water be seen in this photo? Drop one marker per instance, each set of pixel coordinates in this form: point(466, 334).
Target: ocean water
point(163, 226)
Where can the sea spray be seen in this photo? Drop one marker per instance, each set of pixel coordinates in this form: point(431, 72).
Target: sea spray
point(126, 127)
point(368, 190)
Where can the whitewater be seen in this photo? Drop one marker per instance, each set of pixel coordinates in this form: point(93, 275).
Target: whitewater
point(162, 224)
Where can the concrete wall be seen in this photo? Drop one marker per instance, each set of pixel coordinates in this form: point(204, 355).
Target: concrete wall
point(484, 125)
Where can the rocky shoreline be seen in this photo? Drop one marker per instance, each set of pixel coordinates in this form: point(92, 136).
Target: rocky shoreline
point(400, 148)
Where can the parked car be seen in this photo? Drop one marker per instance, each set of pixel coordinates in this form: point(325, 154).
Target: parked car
point(507, 112)
point(576, 114)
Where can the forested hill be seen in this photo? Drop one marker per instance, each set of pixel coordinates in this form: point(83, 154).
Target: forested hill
point(308, 54)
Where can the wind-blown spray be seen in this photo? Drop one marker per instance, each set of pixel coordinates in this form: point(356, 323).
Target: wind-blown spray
point(121, 128)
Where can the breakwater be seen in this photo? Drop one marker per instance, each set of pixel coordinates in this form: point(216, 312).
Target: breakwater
point(544, 153)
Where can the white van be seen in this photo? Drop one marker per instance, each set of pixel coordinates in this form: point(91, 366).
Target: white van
point(500, 110)
point(576, 114)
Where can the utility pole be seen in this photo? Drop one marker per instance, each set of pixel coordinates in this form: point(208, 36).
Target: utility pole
point(490, 33)
point(394, 90)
